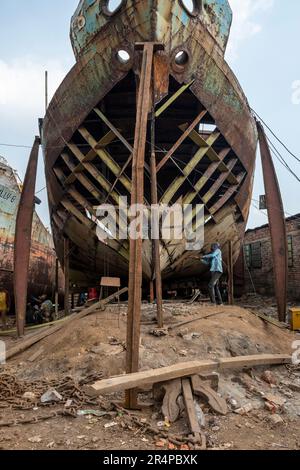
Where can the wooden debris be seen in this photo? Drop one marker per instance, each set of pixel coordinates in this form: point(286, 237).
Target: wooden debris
point(204, 391)
point(272, 321)
point(187, 369)
point(213, 378)
point(192, 414)
point(36, 355)
point(190, 407)
point(170, 408)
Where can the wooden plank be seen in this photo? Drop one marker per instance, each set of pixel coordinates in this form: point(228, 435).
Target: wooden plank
point(170, 408)
point(67, 274)
point(187, 369)
point(272, 321)
point(190, 407)
point(184, 136)
point(113, 129)
point(173, 99)
point(230, 273)
point(110, 282)
point(105, 157)
point(27, 342)
point(204, 391)
point(137, 197)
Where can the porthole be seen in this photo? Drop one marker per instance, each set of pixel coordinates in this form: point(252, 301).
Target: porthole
point(181, 58)
point(81, 22)
point(112, 6)
point(192, 7)
point(123, 56)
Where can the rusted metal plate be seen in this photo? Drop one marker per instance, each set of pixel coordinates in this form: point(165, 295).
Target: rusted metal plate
point(276, 223)
point(161, 76)
point(23, 238)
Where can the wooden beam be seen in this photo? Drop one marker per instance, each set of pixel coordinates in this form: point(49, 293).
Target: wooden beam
point(190, 408)
point(105, 157)
point(67, 274)
point(113, 129)
point(184, 136)
point(84, 180)
point(216, 165)
point(230, 274)
point(210, 396)
point(185, 172)
point(173, 98)
point(137, 197)
point(186, 369)
point(94, 172)
point(216, 207)
point(219, 182)
point(155, 230)
point(76, 212)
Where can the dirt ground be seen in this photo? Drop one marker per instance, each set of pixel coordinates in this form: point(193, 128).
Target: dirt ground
point(94, 347)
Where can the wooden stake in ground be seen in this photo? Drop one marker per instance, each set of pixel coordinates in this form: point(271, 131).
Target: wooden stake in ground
point(137, 198)
point(155, 229)
point(230, 274)
point(67, 274)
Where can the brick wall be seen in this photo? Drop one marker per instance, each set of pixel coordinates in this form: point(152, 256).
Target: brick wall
point(263, 278)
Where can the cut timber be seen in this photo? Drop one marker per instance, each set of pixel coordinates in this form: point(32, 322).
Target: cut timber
point(272, 321)
point(204, 391)
point(190, 407)
point(170, 408)
point(27, 342)
point(186, 369)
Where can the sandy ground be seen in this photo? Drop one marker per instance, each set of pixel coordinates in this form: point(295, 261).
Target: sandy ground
point(95, 345)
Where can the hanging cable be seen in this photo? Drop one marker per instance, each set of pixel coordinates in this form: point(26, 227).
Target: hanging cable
point(277, 138)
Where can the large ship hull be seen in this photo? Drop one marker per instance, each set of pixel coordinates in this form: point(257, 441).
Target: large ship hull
point(85, 158)
point(41, 279)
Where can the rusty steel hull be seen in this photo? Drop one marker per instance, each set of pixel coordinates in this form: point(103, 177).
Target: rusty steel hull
point(42, 256)
point(83, 163)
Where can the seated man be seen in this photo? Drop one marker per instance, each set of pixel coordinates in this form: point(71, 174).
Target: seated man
point(214, 259)
point(46, 309)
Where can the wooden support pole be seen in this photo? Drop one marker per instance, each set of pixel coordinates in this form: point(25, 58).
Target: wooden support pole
point(56, 286)
point(230, 274)
point(67, 274)
point(23, 238)
point(155, 230)
point(137, 197)
point(152, 296)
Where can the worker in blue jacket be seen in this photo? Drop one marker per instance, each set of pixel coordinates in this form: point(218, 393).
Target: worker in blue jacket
point(215, 261)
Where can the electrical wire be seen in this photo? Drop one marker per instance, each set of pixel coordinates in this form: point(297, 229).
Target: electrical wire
point(276, 137)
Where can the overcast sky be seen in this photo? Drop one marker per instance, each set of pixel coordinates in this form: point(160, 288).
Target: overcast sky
point(34, 36)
